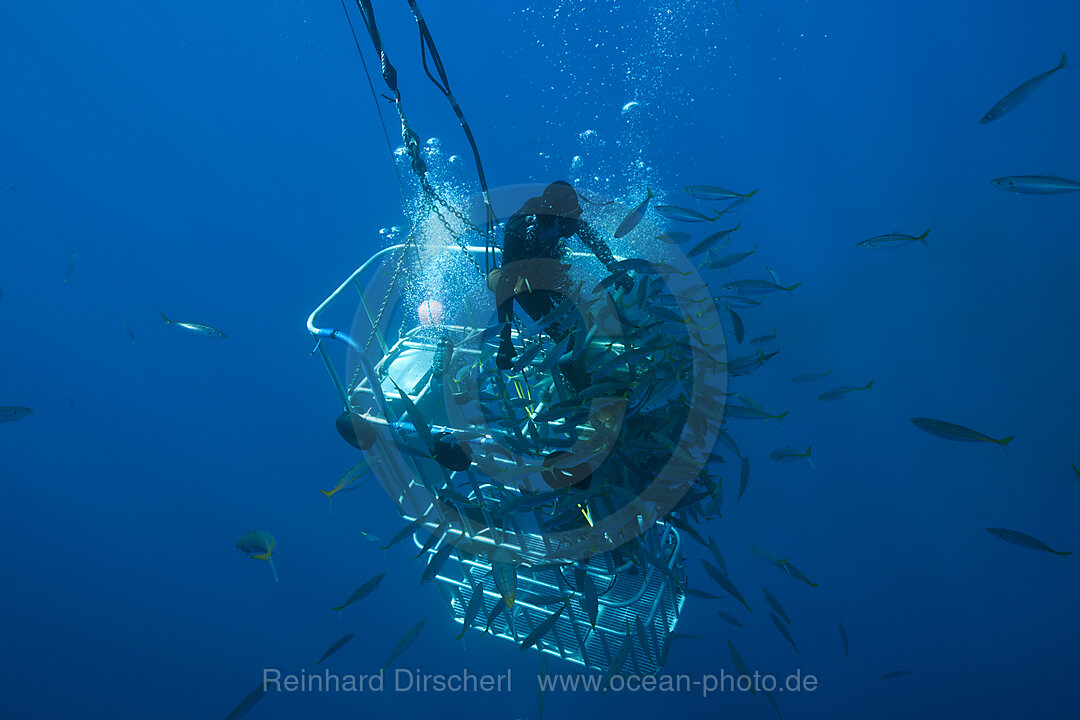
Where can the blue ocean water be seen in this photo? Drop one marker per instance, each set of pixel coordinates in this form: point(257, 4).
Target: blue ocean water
point(223, 163)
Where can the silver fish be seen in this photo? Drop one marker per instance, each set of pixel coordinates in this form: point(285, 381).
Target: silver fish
point(771, 599)
point(959, 433)
point(590, 600)
point(762, 339)
point(1036, 184)
point(476, 604)
point(790, 455)
point(702, 594)
point(505, 573)
point(716, 554)
point(723, 581)
point(884, 242)
point(248, 702)
point(643, 639)
point(737, 326)
point(784, 631)
point(10, 413)
point(404, 643)
point(740, 666)
point(361, 592)
point(784, 564)
point(619, 659)
point(436, 562)
point(711, 241)
point(543, 628)
point(674, 237)
point(496, 610)
point(631, 221)
point(1023, 540)
point(757, 287)
point(673, 212)
point(837, 393)
point(1017, 96)
point(731, 301)
point(711, 192)
point(722, 263)
point(743, 412)
point(409, 529)
point(726, 440)
point(338, 644)
point(198, 329)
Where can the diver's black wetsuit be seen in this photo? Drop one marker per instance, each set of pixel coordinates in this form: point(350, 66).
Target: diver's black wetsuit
point(538, 232)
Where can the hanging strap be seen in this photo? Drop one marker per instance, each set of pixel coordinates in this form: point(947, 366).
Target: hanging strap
point(427, 46)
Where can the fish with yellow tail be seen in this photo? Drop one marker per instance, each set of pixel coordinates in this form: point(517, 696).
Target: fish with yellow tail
point(258, 545)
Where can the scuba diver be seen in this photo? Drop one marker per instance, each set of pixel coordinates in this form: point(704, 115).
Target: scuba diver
point(533, 271)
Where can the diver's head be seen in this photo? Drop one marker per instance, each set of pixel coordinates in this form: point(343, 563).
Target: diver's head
point(560, 201)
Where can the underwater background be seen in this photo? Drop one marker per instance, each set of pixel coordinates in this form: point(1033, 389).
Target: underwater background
point(223, 163)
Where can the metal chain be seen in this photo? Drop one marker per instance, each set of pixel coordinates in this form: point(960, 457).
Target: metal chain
point(390, 289)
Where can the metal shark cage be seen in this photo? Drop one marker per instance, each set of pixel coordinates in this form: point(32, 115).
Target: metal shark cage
point(458, 515)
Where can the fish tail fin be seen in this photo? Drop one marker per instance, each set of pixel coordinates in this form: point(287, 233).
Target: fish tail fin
point(1062, 63)
point(868, 385)
point(792, 287)
point(783, 415)
point(1062, 552)
point(165, 318)
point(1005, 441)
point(339, 608)
point(270, 560)
point(750, 194)
point(922, 238)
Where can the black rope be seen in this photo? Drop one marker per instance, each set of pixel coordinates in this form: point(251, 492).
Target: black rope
point(409, 138)
point(389, 73)
point(427, 46)
point(375, 99)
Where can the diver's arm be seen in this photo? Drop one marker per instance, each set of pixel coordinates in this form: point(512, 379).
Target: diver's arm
point(504, 360)
point(600, 249)
point(515, 247)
